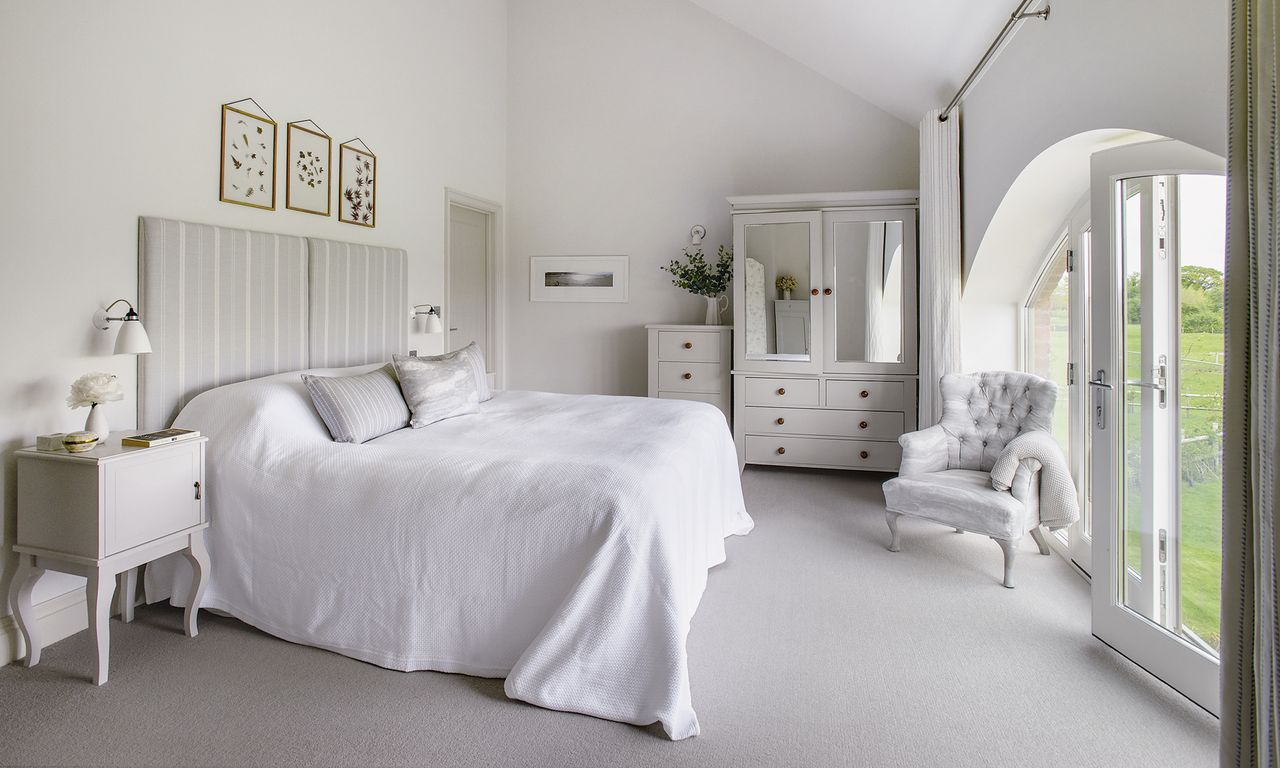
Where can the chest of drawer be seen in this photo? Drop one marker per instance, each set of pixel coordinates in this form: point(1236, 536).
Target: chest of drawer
point(690, 346)
point(823, 452)
point(691, 377)
point(866, 395)
point(870, 425)
point(780, 392)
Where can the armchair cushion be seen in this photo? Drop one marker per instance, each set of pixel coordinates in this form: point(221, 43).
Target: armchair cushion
point(983, 412)
point(959, 498)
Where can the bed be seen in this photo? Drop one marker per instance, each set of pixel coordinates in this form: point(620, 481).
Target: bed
point(559, 541)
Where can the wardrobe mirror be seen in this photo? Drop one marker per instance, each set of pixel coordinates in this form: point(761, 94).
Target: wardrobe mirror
point(868, 291)
point(776, 285)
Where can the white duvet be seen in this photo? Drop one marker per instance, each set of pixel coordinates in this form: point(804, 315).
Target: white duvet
point(560, 541)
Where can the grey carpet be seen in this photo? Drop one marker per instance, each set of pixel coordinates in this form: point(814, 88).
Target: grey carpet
point(813, 646)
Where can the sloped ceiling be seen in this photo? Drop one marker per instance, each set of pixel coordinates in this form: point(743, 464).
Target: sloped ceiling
point(905, 56)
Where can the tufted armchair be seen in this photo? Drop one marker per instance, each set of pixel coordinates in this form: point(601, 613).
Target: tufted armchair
point(945, 472)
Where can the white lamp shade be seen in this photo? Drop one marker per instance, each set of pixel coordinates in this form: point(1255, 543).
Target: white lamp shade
point(132, 339)
point(433, 324)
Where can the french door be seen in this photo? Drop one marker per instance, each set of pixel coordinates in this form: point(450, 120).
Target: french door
point(1158, 257)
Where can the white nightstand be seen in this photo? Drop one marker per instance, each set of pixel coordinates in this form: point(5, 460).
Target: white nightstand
point(101, 514)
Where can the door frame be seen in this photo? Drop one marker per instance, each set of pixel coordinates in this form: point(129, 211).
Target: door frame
point(1174, 661)
point(496, 343)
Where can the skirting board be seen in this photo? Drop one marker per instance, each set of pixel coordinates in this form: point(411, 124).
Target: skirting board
point(59, 617)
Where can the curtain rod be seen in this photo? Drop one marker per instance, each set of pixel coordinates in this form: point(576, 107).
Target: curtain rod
point(1019, 14)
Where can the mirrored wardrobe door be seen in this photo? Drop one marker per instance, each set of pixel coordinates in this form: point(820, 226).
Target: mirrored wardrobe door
point(869, 290)
point(777, 274)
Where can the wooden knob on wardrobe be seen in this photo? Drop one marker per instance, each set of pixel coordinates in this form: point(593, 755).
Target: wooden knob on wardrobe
point(781, 421)
point(814, 292)
point(826, 291)
point(862, 425)
point(864, 393)
point(688, 376)
point(688, 345)
point(781, 450)
point(864, 454)
point(781, 391)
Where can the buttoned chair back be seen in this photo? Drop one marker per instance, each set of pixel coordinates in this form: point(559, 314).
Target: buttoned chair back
point(982, 412)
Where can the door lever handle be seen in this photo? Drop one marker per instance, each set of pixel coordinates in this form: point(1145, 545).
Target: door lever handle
point(1100, 384)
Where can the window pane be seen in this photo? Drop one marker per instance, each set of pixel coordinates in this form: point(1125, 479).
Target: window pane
point(1049, 328)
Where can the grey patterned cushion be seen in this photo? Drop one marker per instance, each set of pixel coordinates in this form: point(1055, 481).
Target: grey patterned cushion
point(475, 358)
point(359, 408)
point(437, 388)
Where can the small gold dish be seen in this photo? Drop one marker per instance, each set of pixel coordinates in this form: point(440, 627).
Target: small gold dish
point(79, 442)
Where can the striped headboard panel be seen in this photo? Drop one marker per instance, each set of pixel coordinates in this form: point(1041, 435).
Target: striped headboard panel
point(359, 303)
point(220, 305)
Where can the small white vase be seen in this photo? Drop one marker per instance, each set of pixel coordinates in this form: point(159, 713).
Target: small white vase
point(714, 308)
point(97, 422)
point(786, 295)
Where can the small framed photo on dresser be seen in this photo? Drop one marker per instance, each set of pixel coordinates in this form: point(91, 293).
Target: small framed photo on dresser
point(308, 152)
point(357, 184)
point(247, 162)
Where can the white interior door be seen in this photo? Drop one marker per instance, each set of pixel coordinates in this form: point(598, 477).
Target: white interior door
point(1158, 253)
point(472, 309)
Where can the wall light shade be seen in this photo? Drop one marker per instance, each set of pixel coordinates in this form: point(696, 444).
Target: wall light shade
point(132, 338)
point(427, 320)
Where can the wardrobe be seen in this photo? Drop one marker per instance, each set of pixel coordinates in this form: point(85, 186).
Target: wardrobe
point(824, 374)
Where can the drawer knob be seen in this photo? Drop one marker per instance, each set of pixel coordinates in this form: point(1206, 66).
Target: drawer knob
point(688, 376)
point(197, 490)
point(864, 393)
point(862, 425)
point(781, 421)
point(781, 450)
point(688, 345)
point(826, 292)
point(814, 292)
point(781, 391)
point(864, 454)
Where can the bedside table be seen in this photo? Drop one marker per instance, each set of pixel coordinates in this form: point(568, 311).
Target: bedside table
point(102, 514)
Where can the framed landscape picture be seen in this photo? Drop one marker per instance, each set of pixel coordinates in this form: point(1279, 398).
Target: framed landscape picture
point(247, 168)
point(578, 278)
point(357, 184)
point(308, 155)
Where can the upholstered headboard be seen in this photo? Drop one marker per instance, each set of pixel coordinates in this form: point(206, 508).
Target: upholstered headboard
point(223, 305)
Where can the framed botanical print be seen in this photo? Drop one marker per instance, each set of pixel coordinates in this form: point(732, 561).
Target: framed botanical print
point(357, 184)
point(247, 167)
point(308, 155)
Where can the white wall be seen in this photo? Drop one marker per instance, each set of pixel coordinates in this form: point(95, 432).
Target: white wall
point(112, 111)
point(1142, 65)
point(630, 121)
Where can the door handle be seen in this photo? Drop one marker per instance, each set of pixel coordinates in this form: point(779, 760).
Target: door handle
point(1099, 382)
point(1161, 384)
point(197, 490)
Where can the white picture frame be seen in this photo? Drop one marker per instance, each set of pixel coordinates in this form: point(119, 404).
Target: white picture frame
point(579, 278)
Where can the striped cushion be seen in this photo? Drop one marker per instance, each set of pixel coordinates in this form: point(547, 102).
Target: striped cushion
point(475, 358)
point(359, 408)
point(437, 389)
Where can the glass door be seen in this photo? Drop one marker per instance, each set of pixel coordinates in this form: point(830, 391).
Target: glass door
point(777, 294)
point(1157, 410)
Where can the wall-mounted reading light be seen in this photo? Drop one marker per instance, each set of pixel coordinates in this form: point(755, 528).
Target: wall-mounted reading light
point(427, 320)
point(132, 338)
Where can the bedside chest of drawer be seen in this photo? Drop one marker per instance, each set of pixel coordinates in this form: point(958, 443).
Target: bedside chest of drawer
point(692, 362)
point(101, 514)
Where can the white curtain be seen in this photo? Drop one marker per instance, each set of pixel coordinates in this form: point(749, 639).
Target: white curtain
point(939, 259)
point(1250, 731)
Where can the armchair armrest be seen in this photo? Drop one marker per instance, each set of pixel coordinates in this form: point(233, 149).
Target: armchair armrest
point(923, 452)
point(1026, 482)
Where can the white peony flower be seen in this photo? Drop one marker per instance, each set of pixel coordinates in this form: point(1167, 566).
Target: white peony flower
point(93, 388)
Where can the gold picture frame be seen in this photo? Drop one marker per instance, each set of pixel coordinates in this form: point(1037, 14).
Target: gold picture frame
point(303, 168)
point(245, 171)
point(357, 201)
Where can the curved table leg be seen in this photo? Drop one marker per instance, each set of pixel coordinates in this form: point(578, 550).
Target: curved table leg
point(102, 586)
point(198, 556)
point(24, 580)
point(128, 593)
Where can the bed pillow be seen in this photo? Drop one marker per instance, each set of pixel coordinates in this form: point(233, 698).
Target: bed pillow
point(359, 408)
point(475, 357)
point(437, 388)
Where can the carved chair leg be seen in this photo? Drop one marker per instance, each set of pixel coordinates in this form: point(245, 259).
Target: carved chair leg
point(895, 545)
point(1010, 549)
point(1037, 533)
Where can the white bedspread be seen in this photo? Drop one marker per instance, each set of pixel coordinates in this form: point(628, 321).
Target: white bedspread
point(560, 541)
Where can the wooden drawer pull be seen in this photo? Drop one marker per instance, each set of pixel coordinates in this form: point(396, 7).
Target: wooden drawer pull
point(781, 450)
point(864, 393)
point(814, 292)
point(864, 454)
point(197, 490)
point(781, 421)
point(688, 345)
point(862, 425)
point(781, 391)
point(826, 292)
point(688, 376)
